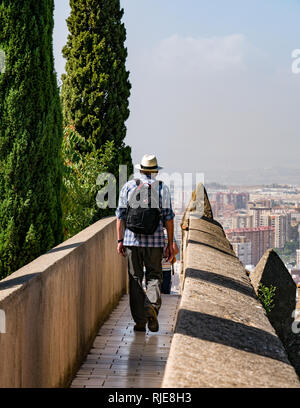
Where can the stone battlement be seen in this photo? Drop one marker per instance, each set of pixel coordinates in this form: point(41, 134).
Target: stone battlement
point(55, 305)
point(223, 337)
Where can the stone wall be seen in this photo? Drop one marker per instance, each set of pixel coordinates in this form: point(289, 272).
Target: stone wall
point(55, 305)
point(271, 271)
point(223, 337)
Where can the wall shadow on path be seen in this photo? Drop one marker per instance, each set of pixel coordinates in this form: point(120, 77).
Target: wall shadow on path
point(229, 333)
point(62, 248)
point(191, 241)
point(7, 284)
point(20, 280)
point(220, 280)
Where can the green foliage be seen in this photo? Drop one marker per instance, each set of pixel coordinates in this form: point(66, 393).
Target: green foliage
point(95, 94)
point(266, 295)
point(290, 248)
point(30, 135)
point(80, 180)
point(96, 86)
point(288, 253)
point(294, 234)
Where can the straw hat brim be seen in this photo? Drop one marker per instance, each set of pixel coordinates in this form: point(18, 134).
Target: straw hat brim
point(138, 167)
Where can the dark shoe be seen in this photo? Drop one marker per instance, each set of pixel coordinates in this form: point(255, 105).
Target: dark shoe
point(152, 319)
point(140, 327)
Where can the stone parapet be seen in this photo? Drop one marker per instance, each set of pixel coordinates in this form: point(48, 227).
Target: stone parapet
point(271, 271)
point(55, 305)
point(223, 337)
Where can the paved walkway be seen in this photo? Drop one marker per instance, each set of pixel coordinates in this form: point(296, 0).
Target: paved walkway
point(123, 358)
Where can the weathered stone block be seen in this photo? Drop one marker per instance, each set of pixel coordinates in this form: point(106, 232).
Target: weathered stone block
point(271, 271)
point(199, 205)
point(222, 336)
point(55, 305)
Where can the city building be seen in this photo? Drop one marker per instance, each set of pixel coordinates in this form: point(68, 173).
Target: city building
point(296, 275)
point(273, 208)
point(241, 200)
point(226, 222)
point(298, 258)
point(257, 213)
point(242, 221)
point(280, 224)
point(242, 249)
point(261, 238)
point(263, 204)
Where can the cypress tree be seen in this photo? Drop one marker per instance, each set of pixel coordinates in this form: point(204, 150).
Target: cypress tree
point(96, 88)
point(30, 135)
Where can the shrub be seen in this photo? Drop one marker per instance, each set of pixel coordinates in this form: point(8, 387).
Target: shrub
point(266, 295)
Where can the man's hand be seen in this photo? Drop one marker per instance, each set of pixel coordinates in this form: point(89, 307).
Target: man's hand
point(170, 249)
point(121, 249)
point(120, 235)
point(169, 254)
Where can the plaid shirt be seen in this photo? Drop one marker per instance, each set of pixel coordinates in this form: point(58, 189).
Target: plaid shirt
point(157, 239)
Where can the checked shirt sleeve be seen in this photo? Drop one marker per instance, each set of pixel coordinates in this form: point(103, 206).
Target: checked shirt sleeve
point(122, 205)
point(167, 211)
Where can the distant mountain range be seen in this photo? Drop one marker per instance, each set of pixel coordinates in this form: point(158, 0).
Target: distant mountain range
point(279, 175)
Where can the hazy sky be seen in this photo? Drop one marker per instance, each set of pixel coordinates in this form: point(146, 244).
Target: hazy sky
point(212, 85)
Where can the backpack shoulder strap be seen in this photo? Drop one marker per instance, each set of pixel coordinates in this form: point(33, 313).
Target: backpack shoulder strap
point(131, 194)
point(159, 193)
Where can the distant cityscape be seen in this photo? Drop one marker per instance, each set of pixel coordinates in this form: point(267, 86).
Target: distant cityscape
point(256, 218)
point(256, 176)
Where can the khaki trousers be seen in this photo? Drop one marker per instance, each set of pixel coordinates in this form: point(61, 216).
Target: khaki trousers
point(137, 258)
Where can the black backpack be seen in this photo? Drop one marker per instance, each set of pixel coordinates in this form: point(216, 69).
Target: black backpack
point(144, 219)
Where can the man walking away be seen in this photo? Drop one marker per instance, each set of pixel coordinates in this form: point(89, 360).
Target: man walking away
point(144, 209)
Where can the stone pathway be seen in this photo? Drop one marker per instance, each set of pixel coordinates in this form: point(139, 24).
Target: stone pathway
point(123, 358)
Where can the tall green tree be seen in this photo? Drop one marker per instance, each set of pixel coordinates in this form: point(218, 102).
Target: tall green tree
point(30, 135)
point(96, 85)
point(95, 99)
point(80, 176)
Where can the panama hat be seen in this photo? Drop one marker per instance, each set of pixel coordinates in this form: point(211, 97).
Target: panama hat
point(148, 164)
